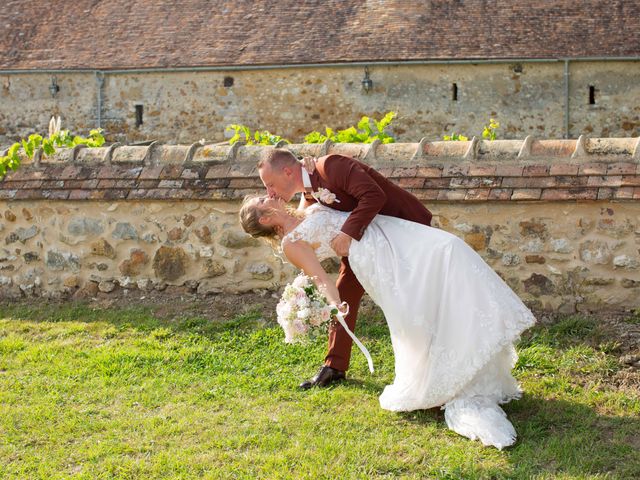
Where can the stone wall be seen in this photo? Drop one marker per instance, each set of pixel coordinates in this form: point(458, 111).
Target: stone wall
point(183, 107)
point(559, 220)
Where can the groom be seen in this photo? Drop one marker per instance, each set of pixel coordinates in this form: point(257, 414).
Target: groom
point(358, 189)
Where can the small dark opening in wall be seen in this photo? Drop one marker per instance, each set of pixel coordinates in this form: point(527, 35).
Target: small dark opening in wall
point(228, 81)
point(592, 95)
point(139, 115)
point(454, 92)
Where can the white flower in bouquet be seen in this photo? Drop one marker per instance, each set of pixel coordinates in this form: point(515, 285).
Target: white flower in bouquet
point(302, 309)
point(301, 281)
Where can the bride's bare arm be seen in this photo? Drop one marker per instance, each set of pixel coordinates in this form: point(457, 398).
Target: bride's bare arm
point(302, 255)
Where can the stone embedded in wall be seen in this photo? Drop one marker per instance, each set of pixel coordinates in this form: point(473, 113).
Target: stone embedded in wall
point(30, 257)
point(609, 227)
point(553, 270)
point(58, 261)
point(630, 283)
point(203, 233)
point(534, 259)
point(493, 254)
point(22, 235)
point(88, 290)
point(144, 284)
point(235, 239)
point(561, 245)
point(533, 228)
point(510, 259)
point(106, 286)
point(126, 282)
point(586, 225)
point(30, 281)
point(81, 226)
point(625, 261)
point(595, 251)
point(170, 263)
point(135, 263)
point(10, 216)
point(7, 256)
point(538, 285)
point(260, 271)
point(124, 231)
point(464, 227)
point(477, 240)
point(208, 286)
point(175, 234)
point(103, 248)
point(26, 213)
point(188, 219)
point(150, 238)
point(213, 268)
point(533, 246)
point(71, 281)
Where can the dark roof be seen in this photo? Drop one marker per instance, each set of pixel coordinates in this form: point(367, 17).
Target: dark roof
point(114, 34)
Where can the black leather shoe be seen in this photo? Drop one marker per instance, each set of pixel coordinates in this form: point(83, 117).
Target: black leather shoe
point(325, 377)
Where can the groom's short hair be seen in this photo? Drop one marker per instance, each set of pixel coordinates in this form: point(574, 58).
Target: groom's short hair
point(278, 158)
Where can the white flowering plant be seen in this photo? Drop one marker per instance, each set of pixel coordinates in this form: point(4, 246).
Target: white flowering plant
point(302, 310)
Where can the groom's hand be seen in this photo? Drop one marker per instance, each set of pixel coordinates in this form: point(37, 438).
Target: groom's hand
point(341, 244)
point(309, 164)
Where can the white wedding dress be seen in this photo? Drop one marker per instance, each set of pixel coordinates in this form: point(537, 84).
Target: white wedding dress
point(453, 321)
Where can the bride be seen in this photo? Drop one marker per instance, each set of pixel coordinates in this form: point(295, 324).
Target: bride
point(453, 321)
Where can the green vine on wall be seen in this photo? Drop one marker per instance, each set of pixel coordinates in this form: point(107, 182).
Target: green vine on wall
point(363, 133)
point(56, 138)
point(489, 133)
point(259, 137)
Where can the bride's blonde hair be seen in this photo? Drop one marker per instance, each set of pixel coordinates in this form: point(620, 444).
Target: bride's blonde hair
point(250, 214)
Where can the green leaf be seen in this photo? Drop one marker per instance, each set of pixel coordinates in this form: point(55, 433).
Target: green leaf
point(47, 147)
point(13, 150)
point(385, 122)
point(314, 137)
point(28, 148)
point(348, 135)
point(364, 124)
point(330, 134)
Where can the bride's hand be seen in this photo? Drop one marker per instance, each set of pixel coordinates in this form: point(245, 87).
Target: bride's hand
point(343, 308)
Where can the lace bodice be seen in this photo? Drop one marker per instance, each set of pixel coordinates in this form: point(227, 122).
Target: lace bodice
point(320, 225)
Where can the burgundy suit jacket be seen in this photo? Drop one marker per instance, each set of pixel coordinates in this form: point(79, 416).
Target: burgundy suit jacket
point(365, 193)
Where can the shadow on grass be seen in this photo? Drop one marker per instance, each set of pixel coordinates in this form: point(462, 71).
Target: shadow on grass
point(557, 438)
point(565, 437)
point(138, 318)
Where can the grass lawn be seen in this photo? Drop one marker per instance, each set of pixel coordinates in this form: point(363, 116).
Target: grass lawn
point(122, 392)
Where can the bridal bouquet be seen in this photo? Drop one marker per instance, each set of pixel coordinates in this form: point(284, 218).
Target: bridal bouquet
point(302, 309)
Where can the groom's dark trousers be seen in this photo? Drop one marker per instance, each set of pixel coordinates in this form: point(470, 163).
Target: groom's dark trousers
point(365, 193)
